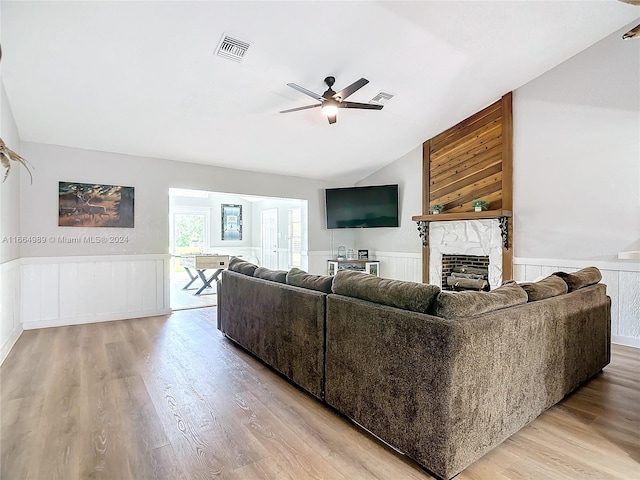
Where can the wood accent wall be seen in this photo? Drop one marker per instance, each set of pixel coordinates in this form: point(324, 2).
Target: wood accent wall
point(472, 160)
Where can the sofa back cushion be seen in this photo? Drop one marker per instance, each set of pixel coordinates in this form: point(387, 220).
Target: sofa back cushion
point(465, 304)
point(548, 287)
point(416, 297)
point(239, 265)
point(279, 276)
point(580, 279)
point(300, 278)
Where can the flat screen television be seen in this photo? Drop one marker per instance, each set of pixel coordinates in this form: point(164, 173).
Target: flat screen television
point(362, 207)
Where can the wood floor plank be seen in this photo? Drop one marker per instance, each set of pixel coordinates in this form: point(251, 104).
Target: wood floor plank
point(168, 397)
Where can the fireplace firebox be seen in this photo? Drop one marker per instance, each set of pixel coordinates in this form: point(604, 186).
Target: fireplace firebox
point(465, 272)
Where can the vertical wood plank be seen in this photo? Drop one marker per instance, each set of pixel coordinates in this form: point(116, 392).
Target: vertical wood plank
point(507, 179)
point(119, 286)
point(160, 284)
point(103, 299)
point(88, 287)
point(69, 290)
point(31, 285)
point(507, 152)
point(135, 282)
point(426, 181)
point(148, 288)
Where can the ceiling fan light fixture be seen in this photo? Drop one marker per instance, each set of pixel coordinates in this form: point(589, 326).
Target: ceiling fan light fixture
point(330, 109)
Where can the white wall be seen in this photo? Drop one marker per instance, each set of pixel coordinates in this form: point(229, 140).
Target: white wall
point(10, 314)
point(152, 179)
point(577, 156)
point(10, 189)
point(398, 249)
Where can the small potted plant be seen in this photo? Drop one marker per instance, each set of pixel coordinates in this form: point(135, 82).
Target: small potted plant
point(437, 208)
point(479, 205)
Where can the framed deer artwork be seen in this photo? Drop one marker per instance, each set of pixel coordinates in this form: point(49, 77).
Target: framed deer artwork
point(95, 205)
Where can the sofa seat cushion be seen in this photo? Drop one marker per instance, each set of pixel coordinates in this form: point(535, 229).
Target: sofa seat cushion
point(416, 297)
point(548, 287)
point(300, 278)
point(580, 279)
point(466, 304)
point(279, 276)
point(239, 265)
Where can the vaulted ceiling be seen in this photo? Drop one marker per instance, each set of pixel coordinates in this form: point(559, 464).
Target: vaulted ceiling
point(142, 78)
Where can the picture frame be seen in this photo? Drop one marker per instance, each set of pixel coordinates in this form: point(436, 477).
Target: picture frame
point(363, 254)
point(95, 205)
point(231, 222)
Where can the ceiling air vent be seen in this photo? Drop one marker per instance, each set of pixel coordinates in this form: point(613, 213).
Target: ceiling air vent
point(232, 48)
point(381, 98)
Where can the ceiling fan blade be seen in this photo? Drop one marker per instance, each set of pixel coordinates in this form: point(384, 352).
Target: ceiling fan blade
point(332, 118)
point(305, 91)
point(366, 106)
point(633, 33)
point(301, 108)
point(355, 86)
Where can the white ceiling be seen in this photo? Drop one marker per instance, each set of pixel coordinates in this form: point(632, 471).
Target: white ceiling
point(141, 78)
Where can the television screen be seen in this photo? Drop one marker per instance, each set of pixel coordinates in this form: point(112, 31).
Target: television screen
point(362, 207)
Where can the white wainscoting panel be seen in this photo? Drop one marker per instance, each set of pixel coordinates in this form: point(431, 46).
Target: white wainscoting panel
point(74, 290)
point(10, 314)
point(317, 261)
point(623, 286)
point(399, 265)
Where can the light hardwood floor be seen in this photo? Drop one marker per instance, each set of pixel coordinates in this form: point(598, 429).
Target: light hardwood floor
point(170, 398)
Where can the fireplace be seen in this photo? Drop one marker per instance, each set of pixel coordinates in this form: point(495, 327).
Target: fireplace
point(467, 238)
point(465, 272)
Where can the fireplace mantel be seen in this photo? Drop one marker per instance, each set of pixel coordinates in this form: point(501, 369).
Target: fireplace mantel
point(444, 217)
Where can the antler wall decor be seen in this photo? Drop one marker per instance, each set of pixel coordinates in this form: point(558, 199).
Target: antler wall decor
point(7, 155)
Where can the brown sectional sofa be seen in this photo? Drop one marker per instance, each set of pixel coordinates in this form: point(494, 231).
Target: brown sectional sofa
point(283, 325)
point(419, 368)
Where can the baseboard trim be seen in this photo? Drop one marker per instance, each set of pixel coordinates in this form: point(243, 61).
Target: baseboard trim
point(626, 341)
point(63, 322)
point(8, 345)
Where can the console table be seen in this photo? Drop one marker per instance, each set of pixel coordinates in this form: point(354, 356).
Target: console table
point(202, 263)
point(371, 267)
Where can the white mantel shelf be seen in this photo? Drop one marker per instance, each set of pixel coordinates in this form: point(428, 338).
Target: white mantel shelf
point(445, 217)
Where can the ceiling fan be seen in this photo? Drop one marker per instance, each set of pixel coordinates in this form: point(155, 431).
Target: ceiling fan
point(634, 32)
point(331, 101)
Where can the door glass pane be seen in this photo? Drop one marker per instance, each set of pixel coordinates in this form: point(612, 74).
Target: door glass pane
point(295, 237)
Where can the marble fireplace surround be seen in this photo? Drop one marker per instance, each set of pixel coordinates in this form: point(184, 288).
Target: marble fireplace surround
point(466, 237)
